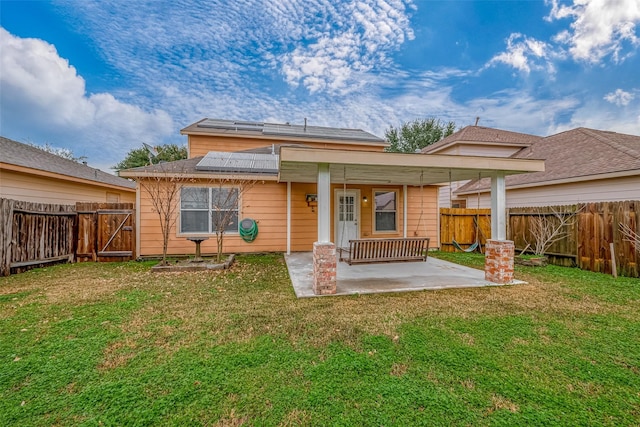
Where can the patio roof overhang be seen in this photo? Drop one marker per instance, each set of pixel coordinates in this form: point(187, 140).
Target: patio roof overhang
point(364, 167)
point(325, 166)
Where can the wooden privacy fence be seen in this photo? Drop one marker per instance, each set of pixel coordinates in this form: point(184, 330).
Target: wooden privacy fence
point(586, 241)
point(33, 234)
point(598, 226)
point(105, 231)
point(564, 251)
point(464, 226)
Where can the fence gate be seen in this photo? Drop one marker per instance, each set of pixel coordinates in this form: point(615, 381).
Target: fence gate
point(106, 232)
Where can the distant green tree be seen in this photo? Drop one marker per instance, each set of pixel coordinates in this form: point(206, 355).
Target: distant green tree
point(417, 134)
point(143, 156)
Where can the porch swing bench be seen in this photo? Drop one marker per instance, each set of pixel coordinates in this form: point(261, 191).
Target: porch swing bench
point(370, 251)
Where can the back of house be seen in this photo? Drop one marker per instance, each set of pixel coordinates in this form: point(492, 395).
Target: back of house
point(241, 158)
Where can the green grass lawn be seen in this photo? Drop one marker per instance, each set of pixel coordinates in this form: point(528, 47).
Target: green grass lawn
point(113, 344)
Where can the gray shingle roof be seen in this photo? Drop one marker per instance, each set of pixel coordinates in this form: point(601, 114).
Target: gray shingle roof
point(578, 153)
point(282, 130)
point(486, 135)
point(199, 165)
point(19, 154)
point(177, 166)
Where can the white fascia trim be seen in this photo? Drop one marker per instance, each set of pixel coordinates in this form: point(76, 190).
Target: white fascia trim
point(559, 181)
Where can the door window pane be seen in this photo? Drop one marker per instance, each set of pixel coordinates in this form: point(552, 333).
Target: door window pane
point(347, 208)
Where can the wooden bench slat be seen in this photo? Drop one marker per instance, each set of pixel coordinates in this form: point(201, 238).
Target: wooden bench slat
point(363, 251)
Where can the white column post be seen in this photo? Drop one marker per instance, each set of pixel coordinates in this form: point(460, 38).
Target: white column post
point(324, 203)
point(288, 217)
point(404, 209)
point(498, 207)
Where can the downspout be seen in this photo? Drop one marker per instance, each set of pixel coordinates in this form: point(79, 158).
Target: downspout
point(288, 217)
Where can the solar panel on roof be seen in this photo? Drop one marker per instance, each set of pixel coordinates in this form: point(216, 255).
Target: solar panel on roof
point(288, 130)
point(230, 125)
point(239, 162)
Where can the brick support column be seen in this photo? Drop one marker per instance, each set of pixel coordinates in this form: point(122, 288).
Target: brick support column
point(324, 268)
point(498, 264)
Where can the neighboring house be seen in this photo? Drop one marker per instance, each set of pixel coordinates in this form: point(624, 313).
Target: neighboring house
point(476, 141)
point(581, 165)
point(30, 174)
point(314, 185)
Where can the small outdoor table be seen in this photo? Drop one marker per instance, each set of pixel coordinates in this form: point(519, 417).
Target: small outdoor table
point(197, 240)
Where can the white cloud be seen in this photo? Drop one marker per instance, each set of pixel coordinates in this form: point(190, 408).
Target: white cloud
point(619, 97)
point(592, 114)
point(525, 54)
point(600, 28)
point(319, 45)
point(520, 111)
point(43, 93)
point(342, 50)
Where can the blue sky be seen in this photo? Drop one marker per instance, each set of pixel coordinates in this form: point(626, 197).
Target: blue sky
point(102, 77)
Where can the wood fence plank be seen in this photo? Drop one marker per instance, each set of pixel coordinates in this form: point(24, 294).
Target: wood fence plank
point(586, 245)
point(6, 235)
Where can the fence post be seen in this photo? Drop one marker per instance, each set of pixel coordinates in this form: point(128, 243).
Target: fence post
point(6, 232)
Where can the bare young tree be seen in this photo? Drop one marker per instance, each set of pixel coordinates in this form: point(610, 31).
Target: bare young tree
point(548, 228)
point(163, 184)
point(630, 236)
point(225, 206)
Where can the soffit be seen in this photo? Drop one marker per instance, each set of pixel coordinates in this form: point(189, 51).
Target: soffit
point(301, 165)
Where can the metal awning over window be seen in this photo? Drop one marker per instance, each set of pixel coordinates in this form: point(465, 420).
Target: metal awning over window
point(216, 161)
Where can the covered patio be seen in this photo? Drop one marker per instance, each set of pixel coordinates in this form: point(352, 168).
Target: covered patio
point(325, 167)
point(434, 274)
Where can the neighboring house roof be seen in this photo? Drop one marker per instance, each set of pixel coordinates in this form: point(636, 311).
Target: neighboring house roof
point(577, 155)
point(280, 131)
point(482, 135)
point(19, 154)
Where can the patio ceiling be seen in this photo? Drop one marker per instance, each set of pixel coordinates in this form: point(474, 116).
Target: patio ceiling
point(301, 165)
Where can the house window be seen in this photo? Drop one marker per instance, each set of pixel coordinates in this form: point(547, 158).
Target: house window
point(385, 210)
point(207, 210)
point(460, 203)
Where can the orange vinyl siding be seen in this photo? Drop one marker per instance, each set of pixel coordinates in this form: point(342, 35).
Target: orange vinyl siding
point(422, 212)
point(199, 145)
point(267, 204)
point(33, 188)
point(304, 219)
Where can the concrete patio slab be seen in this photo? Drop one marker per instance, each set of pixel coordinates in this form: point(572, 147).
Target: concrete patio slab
point(389, 277)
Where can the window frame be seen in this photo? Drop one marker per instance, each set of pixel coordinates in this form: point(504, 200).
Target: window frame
point(374, 211)
point(209, 211)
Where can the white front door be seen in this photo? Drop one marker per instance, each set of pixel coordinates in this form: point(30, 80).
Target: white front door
point(347, 214)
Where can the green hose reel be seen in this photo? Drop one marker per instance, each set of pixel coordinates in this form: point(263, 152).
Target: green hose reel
point(248, 229)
